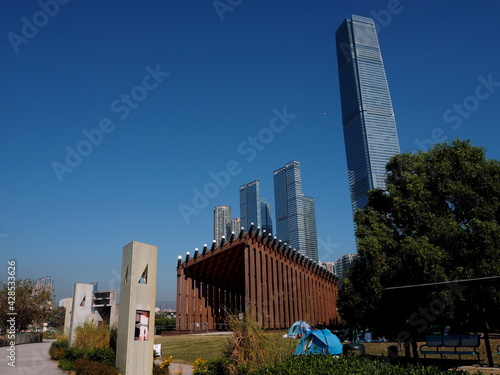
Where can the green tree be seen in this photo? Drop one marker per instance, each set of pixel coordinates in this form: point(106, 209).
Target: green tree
point(31, 306)
point(57, 316)
point(439, 220)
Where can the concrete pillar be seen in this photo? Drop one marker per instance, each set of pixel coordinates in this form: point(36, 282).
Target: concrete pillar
point(134, 349)
point(81, 310)
point(68, 304)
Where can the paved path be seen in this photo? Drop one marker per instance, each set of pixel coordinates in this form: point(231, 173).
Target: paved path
point(30, 359)
point(483, 370)
point(176, 368)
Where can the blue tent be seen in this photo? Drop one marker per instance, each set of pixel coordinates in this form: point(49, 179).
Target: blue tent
point(319, 342)
point(298, 328)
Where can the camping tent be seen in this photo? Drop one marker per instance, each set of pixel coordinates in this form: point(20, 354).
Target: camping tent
point(298, 328)
point(319, 342)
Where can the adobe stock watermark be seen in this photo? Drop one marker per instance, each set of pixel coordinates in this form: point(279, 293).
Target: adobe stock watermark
point(248, 148)
point(383, 17)
point(31, 26)
point(458, 112)
point(329, 247)
point(223, 6)
point(122, 107)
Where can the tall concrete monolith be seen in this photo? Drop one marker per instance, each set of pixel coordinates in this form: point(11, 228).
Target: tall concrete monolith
point(136, 321)
point(68, 305)
point(81, 310)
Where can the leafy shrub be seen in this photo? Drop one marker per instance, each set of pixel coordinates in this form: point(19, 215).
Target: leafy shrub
point(215, 366)
point(57, 350)
point(113, 334)
point(60, 344)
point(327, 364)
point(163, 368)
point(56, 353)
point(65, 364)
point(163, 323)
point(103, 355)
point(49, 335)
point(85, 367)
point(73, 353)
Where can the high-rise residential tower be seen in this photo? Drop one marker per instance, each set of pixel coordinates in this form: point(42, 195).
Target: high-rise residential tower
point(250, 204)
point(235, 225)
point(222, 222)
point(266, 216)
point(253, 208)
point(370, 133)
point(295, 217)
point(342, 266)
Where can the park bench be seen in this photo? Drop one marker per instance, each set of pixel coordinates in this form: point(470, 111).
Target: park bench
point(451, 345)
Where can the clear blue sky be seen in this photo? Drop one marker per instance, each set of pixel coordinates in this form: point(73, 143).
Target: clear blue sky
point(227, 72)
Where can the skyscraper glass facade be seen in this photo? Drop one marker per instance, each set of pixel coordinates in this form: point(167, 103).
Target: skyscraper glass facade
point(222, 222)
point(266, 216)
point(253, 208)
point(295, 216)
point(250, 205)
point(370, 133)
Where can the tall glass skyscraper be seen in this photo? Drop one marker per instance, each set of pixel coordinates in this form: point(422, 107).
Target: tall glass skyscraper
point(250, 204)
point(266, 215)
point(370, 133)
point(295, 214)
point(253, 208)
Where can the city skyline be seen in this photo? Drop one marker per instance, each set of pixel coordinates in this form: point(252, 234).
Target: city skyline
point(117, 116)
point(370, 133)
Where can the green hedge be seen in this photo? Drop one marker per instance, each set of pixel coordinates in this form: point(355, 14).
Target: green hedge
point(86, 367)
point(326, 365)
point(323, 365)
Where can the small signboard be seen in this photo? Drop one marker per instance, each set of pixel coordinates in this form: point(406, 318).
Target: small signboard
point(157, 349)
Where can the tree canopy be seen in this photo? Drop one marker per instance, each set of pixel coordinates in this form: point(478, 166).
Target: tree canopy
point(31, 307)
point(438, 220)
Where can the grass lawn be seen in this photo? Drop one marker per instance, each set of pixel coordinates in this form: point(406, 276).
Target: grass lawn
point(186, 348)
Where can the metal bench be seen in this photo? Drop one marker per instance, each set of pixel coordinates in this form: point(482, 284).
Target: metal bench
point(432, 341)
point(442, 344)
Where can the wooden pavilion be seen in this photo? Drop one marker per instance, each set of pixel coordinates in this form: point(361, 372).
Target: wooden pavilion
point(253, 273)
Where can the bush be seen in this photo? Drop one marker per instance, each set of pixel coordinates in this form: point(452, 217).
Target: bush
point(91, 336)
point(65, 364)
point(163, 323)
point(73, 353)
point(103, 355)
point(57, 350)
point(216, 366)
point(49, 335)
point(56, 353)
point(163, 369)
point(328, 364)
point(85, 367)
